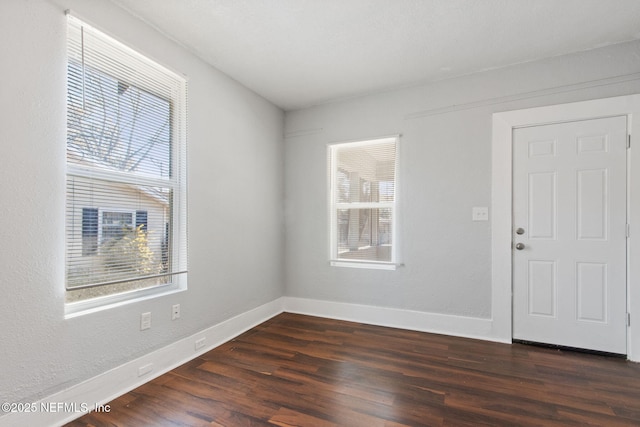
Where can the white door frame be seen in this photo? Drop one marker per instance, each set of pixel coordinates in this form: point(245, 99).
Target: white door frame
point(501, 204)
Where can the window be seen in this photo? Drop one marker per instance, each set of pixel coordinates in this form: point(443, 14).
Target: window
point(126, 173)
point(102, 225)
point(115, 224)
point(363, 203)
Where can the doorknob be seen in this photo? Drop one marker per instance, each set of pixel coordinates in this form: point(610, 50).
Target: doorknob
point(520, 230)
point(519, 246)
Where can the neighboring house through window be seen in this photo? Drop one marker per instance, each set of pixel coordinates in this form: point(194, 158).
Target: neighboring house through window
point(99, 225)
point(363, 213)
point(126, 152)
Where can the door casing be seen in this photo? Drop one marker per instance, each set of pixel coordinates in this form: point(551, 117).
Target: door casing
point(501, 203)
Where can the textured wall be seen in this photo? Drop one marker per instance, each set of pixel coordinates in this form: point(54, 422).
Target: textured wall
point(445, 170)
point(235, 216)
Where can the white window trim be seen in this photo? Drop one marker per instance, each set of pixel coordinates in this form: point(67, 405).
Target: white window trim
point(177, 182)
point(334, 261)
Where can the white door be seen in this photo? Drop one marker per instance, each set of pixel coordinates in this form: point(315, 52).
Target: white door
point(569, 217)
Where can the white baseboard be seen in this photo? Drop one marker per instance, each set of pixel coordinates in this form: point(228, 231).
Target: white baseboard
point(460, 326)
point(105, 387)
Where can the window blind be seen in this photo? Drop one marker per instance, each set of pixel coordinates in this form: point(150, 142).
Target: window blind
point(126, 168)
point(363, 201)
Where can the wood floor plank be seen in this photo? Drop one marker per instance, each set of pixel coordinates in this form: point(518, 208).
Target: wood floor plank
point(296, 370)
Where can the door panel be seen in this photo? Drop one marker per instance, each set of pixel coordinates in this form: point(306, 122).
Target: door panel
point(542, 205)
point(592, 209)
point(542, 288)
point(592, 291)
point(569, 277)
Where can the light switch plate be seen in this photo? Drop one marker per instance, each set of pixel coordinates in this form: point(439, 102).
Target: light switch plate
point(480, 214)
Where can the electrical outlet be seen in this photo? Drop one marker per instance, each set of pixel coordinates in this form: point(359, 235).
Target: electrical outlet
point(145, 321)
point(175, 311)
point(200, 343)
point(480, 214)
point(144, 370)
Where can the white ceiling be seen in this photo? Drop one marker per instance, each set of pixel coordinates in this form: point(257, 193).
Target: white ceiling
point(298, 53)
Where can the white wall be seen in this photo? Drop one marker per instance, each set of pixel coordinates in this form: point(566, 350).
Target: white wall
point(235, 205)
point(445, 170)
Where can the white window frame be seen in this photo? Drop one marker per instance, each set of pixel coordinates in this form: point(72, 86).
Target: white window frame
point(335, 206)
point(177, 183)
point(101, 224)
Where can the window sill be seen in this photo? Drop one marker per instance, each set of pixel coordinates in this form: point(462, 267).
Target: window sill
point(81, 308)
point(371, 265)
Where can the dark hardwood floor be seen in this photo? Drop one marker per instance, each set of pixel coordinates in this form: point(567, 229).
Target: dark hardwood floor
point(296, 370)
